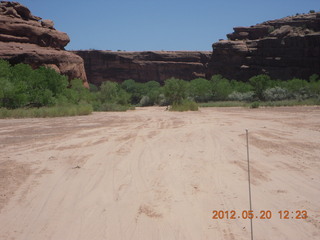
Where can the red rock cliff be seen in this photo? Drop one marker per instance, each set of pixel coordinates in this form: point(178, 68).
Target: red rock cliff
point(283, 48)
point(143, 66)
point(24, 38)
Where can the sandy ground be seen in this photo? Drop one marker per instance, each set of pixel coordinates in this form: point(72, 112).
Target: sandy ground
point(152, 174)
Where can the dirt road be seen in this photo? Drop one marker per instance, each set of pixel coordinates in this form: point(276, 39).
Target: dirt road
point(153, 174)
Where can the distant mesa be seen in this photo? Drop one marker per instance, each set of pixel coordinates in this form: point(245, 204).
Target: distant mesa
point(25, 38)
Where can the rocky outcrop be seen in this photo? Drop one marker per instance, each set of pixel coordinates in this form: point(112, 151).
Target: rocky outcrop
point(24, 38)
point(283, 48)
point(143, 66)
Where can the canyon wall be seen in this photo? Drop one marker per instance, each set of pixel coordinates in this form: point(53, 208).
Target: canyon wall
point(25, 38)
point(143, 66)
point(283, 48)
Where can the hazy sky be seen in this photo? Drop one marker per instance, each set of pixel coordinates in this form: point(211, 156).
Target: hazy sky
point(139, 25)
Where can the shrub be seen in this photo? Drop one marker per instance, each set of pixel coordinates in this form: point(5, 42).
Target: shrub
point(162, 101)
point(241, 87)
point(275, 94)
point(137, 90)
point(175, 90)
point(259, 84)
point(113, 107)
point(238, 96)
point(220, 87)
point(185, 105)
point(200, 90)
point(111, 92)
point(145, 101)
point(255, 105)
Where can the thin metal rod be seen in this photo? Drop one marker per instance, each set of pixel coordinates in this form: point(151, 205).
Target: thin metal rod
point(250, 201)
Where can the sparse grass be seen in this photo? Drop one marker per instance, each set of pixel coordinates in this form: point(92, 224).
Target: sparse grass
point(225, 104)
point(186, 105)
point(56, 111)
point(114, 107)
point(307, 102)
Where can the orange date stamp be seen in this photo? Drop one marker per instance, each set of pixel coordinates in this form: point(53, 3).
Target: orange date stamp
point(263, 214)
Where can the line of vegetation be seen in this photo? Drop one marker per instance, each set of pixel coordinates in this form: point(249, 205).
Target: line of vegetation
point(42, 92)
point(258, 91)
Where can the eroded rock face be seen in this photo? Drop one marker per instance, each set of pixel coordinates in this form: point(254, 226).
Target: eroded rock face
point(143, 66)
point(24, 38)
point(283, 48)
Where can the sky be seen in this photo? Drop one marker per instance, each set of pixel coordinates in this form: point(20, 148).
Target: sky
point(150, 25)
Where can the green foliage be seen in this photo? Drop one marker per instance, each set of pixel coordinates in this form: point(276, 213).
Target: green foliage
point(241, 87)
point(175, 90)
point(25, 90)
point(40, 93)
point(241, 96)
point(276, 94)
point(137, 90)
point(145, 101)
point(259, 84)
point(225, 104)
point(5, 69)
point(43, 112)
point(184, 105)
point(200, 90)
point(221, 88)
point(111, 92)
point(255, 105)
point(113, 107)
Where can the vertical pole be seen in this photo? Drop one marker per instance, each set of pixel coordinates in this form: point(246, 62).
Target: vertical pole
point(247, 135)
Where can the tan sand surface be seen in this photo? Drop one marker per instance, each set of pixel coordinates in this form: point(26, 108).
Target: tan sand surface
point(152, 174)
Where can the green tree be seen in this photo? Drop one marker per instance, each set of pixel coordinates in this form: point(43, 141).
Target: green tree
point(221, 87)
point(200, 90)
point(112, 92)
point(175, 90)
point(259, 84)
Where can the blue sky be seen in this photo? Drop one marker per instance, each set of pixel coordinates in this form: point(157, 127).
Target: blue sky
point(140, 25)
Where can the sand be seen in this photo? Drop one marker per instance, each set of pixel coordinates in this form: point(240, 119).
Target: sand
point(153, 174)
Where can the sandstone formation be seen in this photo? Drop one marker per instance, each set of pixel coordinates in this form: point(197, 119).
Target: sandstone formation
point(143, 66)
point(24, 38)
point(283, 48)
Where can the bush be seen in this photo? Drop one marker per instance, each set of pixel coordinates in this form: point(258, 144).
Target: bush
point(185, 105)
point(111, 92)
point(137, 90)
point(113, 107)
point(238, 96)
point(275, 94)
point(255, 105)
point(259, 84)
point(175, 90)
point(145, 101)
point(162, 101)
point(220, 87)
point(200, 90)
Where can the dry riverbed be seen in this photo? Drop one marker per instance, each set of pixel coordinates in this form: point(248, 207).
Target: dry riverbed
point(153, 174)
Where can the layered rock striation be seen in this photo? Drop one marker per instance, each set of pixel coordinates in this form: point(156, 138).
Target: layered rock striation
point(283, 48)
point(25, 38)
point(143, 66)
